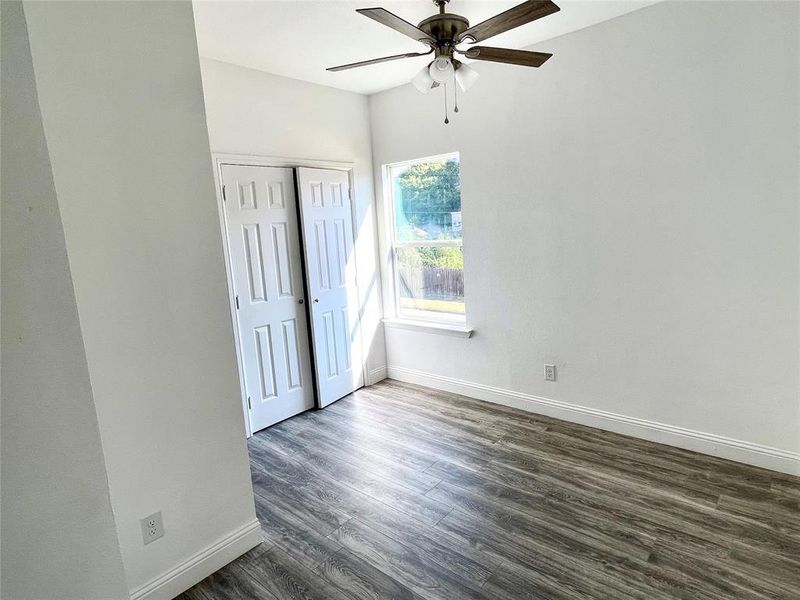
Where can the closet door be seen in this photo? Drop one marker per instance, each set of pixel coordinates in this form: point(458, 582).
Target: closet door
point(264, 246)
point(327, 222)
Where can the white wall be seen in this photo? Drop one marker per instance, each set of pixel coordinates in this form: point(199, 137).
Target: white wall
point(122, 105)
point(250, 112)
point(59, 538)
point(631, 215)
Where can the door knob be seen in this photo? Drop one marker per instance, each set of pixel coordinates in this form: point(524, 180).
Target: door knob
point(300, 301)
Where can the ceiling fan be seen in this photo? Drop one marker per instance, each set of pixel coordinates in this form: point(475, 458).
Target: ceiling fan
point(445, 31)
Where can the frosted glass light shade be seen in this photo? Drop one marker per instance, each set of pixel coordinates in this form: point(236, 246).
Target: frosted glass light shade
point(441, 69)
point(423, 80)
point(466, 76)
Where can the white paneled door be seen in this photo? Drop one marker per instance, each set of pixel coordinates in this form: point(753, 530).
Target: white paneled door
point(265, 261)
point(327, 223)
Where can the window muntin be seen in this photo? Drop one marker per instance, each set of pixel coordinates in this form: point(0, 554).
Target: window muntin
point(427, 251)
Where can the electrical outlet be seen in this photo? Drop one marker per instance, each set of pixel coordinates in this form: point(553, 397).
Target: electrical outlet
point(549, 372)
point(152, 528)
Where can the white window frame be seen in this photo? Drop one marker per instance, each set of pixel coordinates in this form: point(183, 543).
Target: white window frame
point(430, 321)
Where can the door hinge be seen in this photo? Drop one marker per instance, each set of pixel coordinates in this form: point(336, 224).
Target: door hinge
point(249, 405)
point(350, 193)
point(224, 196)
point(237, 301)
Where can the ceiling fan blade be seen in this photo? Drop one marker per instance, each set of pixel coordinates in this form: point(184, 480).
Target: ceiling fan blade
point(506, 55)
point(513, 17)
point(384, 17)
point(375, 61)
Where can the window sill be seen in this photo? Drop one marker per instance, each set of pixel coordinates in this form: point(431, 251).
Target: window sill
point(454, 330)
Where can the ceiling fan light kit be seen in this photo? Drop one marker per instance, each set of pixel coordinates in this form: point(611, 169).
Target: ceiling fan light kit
point(466, 76)
point(443, 33)
point(441, 69)
point(423, 80)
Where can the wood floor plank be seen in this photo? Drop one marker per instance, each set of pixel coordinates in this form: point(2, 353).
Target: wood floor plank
point(761, 571)
point(508, 582)
point(554, 521)
point(406, 564)
point(724, 576)
point(704, 465)
point(400, 492)
point(337, 428)
point(715, 526)
point(778, 514)
point(566, 565)
point(280, 437)
point(377, 400)
point(232, 583)
point(561, 477)
point(656, 517)
point(343, 466)
point(411, 427)
point(450, 552)
point(713, 481)
point(516, 538)
point(361, 580)
point(422, 396)
point(785, 484)
point(292, 534)
point(195, 593)
point(321, 510)
point(572, 450)
point(287, 579)
point(342, 498)
point(394, 406)
point(576, 497)
point(387, 519)
point(581, 569)
point(710, 468)
point(391, 436)
point(333, 458)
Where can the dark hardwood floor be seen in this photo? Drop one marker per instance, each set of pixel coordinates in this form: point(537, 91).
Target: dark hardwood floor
point(398, 491)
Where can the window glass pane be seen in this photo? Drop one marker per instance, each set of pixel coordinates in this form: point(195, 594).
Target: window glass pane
point(430, 280)
point(427, 200)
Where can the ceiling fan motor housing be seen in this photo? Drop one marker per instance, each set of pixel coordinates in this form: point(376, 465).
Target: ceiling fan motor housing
point(446, 29)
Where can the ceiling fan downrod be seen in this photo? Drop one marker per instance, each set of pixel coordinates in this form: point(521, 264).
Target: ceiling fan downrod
point(441, 4)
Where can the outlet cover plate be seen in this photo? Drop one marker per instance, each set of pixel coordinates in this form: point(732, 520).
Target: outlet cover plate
point(549, 372)
point(152, 528)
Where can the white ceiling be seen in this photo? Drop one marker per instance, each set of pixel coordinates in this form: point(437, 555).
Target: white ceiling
point(300, 38)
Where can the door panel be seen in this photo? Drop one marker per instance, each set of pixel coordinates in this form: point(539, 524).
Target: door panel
point(263, 239)
point(327, 223)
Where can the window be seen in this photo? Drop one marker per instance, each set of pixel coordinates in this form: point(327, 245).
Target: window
point(428, 257)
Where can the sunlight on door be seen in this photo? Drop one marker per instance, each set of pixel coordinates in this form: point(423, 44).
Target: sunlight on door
point(267, 275)
point(327, 222)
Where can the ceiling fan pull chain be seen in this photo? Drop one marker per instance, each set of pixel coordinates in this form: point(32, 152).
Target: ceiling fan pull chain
point(446, 120)
point(455, 93)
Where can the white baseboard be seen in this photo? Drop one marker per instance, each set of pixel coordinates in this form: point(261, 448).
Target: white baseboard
point(376, 375)
point(201, 565)
point(767, 457)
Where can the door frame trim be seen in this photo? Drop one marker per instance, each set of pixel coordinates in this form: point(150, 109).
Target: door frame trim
point(252, 160)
